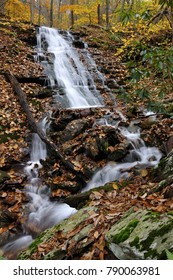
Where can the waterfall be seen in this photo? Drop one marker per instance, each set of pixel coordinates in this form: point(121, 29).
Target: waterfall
point(75, 84)
point(42, 213)
point(74, 87)
point(139, 157)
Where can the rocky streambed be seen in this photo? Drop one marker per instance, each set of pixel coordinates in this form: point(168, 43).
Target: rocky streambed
point(89, 139)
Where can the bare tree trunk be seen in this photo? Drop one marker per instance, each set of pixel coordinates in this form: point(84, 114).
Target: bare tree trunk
point(72, 14)
point(107, 13)
point(39, 12)
point(99, 14)
point(32, 11)
point(59, 14)
point(51, 13)
point(2, 6)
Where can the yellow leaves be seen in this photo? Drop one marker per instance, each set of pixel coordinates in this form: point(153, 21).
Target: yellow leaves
point(15, 147)
point(144, 172)
point(115, 186)
point(17, 10)
point(77, 165)
point(96, 234)
point(2, 161)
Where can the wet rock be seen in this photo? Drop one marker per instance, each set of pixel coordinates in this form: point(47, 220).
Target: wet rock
point(6, 218)
point(78, 44)
point(63, 117)
point(105, 143)
point(44, 93)
point(111, 83)
point(141, 235)
point(169, 144)
point(73, 129)
point(168, 192)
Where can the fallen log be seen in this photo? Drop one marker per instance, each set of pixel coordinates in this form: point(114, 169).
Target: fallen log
point(41, 80)
point(36, 129)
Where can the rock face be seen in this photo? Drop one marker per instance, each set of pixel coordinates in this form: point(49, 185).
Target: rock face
point(64, 240)
point(138, 235)
point(141, 235)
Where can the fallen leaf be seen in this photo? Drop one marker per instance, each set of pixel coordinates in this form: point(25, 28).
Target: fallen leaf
point(144, 172)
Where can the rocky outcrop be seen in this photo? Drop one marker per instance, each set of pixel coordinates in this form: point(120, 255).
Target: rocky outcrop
point(65, 240)
point(164, 172)
point(141, 235)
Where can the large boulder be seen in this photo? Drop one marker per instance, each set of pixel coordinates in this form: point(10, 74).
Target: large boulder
point(64, 240)
point(142, 235)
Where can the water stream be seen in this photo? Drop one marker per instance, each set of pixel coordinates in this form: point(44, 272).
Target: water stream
point(75, 87)
point(139, 157)
point(75, 83)
point(40, 213)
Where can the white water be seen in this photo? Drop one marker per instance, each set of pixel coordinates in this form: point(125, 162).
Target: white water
point(140, 157)
point(69, 72)
point(42, 212)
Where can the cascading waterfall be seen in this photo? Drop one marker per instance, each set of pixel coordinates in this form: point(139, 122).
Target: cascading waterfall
point(42, 212)
point(74, 82)
point(75, 88)
point(140, 157)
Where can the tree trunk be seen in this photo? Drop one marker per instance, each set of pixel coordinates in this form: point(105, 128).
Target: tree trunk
point(51, 13)
point(71, 14)
point(99, 14)
point(59, 14)
point(2, 6)
point(39, 12)
point(36, 129)
point(107, 14)
point(32, 11)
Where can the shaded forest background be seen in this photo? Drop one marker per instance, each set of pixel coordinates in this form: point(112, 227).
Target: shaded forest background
point(69, 13)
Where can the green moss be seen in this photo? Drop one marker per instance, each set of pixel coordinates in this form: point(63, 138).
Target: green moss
point(125, 233)
point(135, 242)
point(152, 215)
point(164, 240)
point(32, 247)
point(146, 243)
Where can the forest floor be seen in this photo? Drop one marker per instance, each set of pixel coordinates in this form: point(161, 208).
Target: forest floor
point(17, 47)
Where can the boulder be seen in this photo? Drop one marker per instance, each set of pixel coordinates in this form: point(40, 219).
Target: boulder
point(141, 235)
point(73, 129)
point(64, 240)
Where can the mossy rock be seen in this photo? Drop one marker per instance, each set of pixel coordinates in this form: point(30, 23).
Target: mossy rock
point(141, 235)
point(63, 240)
